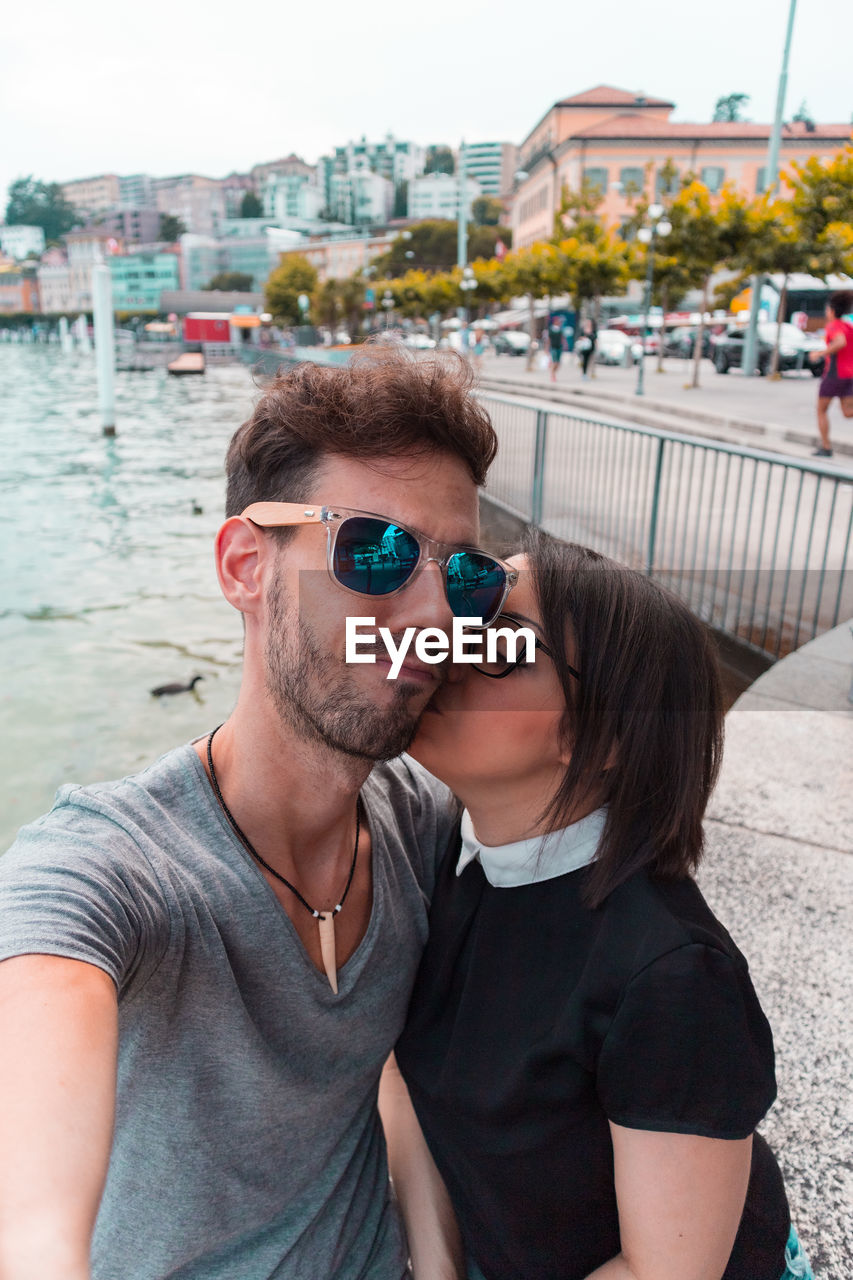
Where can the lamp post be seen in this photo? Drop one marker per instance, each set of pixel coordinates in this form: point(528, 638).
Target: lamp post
point(388, 303)
point(750, 345)
point(466, 284)
point(659, 226)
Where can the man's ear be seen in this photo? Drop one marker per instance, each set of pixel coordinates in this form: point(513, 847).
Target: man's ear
point(241, 548)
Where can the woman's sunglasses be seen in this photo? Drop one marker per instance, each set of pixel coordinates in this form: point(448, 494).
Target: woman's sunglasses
point(374, 556)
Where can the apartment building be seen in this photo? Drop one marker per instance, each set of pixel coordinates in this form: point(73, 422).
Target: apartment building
point(199, 202)
point(493, 165)
point(436, 195)
point(93, 196)
point(620, 142)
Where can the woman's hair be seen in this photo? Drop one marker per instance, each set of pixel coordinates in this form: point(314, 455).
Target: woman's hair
point(644, 723)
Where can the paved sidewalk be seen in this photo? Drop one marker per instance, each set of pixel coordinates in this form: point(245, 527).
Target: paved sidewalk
point(780, 416)
point(779, 873)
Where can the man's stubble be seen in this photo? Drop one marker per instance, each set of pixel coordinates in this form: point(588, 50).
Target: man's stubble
point(316, 695)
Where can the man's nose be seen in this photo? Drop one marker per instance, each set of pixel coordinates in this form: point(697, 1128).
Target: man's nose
point(423, 601)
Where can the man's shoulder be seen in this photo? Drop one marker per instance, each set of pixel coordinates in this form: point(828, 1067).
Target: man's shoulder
point(404, 782)
point(116, 812)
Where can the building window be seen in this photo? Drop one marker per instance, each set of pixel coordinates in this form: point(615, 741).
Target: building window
point(596, 178)
point(633, 181)
point(666, 184)
point(713, 177)
point(761, 180)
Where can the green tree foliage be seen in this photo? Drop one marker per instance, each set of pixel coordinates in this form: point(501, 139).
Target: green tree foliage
point(707, 234)
point(439, 159)
point(803, 116)
point(487, 211)
point(401, 200)
point(32, 203)
point(431, 246)
point(595, 260)
point(231, 282)
point(730, 107)
point(171, 228)
point(295, 275)
point(822, 193)
point(250, 206)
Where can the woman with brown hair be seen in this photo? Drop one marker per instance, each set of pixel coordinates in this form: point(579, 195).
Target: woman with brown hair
point(585, 1051)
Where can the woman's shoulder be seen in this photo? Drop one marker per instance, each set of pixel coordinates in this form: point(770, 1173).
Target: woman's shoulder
point(647, 918)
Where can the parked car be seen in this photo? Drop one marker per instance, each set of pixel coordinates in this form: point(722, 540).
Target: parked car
point(794, 348)
point(682, 342)
point(419, 341)
point(615, 347)
point(511, 342)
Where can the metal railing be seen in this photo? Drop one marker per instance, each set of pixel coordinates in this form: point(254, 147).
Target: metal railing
point(758, 544)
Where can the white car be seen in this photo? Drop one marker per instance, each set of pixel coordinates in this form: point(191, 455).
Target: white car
point(419, 341)
point(612, 346)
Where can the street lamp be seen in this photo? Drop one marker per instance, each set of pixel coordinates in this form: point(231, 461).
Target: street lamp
point(466, 284)
point(387, 302)
point(659, 226)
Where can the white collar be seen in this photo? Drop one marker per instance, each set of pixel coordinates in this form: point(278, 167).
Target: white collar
point(507, 866)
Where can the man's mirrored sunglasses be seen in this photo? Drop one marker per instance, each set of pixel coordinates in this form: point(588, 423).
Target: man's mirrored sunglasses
point(371, 555)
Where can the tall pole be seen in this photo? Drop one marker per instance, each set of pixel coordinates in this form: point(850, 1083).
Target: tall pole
point(462, 214)
point(102, 299)
point(647, 302)
point(772, 178)
point(462, 224)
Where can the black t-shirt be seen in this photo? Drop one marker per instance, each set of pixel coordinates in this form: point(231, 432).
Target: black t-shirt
point(535, 1020)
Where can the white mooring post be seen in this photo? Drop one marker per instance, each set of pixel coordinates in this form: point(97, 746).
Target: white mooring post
point(102, 297)
point(66, 339)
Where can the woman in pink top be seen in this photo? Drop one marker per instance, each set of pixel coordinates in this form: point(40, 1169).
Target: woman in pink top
point(837, 379)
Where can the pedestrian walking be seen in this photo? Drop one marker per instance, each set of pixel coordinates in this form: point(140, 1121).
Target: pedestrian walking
point(556, 344)
point(837, 380)
point(585, 345)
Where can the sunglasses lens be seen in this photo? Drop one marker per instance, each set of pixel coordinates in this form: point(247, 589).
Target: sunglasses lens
point(373, 557)
point(475, 585)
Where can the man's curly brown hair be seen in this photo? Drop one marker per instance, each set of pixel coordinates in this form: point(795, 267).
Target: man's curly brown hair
point(385, 403)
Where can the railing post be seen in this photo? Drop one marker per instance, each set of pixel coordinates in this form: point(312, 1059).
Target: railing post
point(653, 524)
point(538, 467)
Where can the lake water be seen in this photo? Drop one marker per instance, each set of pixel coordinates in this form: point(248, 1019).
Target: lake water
point(107, 584)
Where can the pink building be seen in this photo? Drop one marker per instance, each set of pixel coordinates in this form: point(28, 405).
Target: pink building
point(620, 141)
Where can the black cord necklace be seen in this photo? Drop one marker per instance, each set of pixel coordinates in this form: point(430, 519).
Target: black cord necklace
point(325, 920)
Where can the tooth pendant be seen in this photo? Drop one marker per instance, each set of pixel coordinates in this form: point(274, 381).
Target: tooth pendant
point(326, 925)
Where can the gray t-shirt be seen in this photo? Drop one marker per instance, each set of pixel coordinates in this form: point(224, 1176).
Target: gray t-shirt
point(247, 1142)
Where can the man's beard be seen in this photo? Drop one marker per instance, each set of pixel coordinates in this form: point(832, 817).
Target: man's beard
point(316, 695)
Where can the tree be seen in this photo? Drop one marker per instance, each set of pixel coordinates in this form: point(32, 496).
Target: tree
point(730, 107)
point(33, 203)
point(250, 206)
point(487, 211)
point(822, 193)
point(538, 270)
point(171, 228)
point(706, 235)
point(779, 241)
point(296, 275)
point(231, 282)
point(401, 199)
point(432, 245)
point(596, 261)
point(803, 116)
point(439, 159)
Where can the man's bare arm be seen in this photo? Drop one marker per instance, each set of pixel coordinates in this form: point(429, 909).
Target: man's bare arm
point(58, 1049)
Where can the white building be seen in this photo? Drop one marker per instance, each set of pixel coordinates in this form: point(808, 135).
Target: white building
point(361, 197)
point(54, 277)
point(287, 197)
point(493, 165)
point(18, 241)
point(436, 195)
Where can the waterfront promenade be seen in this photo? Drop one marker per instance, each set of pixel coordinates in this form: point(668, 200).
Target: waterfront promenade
point(763, 414)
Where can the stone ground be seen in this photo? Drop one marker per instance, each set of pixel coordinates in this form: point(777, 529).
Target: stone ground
point(779, 873)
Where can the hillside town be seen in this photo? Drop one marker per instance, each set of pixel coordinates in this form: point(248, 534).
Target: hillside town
point(169, 239)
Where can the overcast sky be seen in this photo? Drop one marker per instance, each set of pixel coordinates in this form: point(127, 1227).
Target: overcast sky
point(204, 86)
